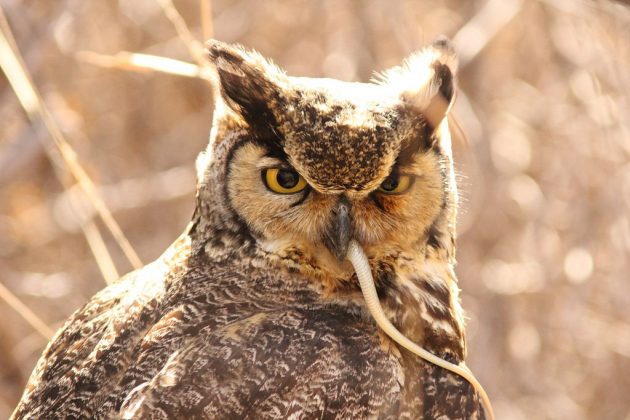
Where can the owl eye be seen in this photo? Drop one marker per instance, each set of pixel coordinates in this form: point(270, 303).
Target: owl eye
point(395, 184)
point(283, 181)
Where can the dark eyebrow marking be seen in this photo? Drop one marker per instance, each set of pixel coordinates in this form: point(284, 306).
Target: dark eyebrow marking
point(307, 192)
point(421, 141)
point(407, 152)
point(376, 201)
point(274, 150)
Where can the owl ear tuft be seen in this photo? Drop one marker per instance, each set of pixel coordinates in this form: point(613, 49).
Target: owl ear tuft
point(426, 80)
point(249, 83)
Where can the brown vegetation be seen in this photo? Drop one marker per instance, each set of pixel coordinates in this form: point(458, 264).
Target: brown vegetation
point(544, 244)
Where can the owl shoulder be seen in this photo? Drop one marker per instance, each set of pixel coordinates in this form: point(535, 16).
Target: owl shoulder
point(72, 352)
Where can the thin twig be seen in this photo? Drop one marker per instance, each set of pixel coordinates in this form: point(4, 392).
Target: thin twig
point(31, 101)
point(207, 25)
point(95, 241)
point(481, 29)
point(144, 62)
point(91, 233)
point(131, 193)
point(28, 315)
point(97, 246)
point(195, 48)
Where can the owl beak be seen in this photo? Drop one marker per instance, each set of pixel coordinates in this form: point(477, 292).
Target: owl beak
point(338, 234)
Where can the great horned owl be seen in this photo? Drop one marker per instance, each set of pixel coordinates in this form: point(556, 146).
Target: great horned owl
point(253, 312)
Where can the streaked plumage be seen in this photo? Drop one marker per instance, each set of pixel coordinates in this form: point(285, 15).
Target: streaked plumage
point(250, 314)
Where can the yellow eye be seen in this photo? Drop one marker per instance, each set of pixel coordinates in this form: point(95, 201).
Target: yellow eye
point(283, 181)
point(395, 184)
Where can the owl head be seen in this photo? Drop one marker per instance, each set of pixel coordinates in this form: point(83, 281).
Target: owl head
point(296, 167)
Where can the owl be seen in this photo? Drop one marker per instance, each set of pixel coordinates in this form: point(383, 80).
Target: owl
point(254, 312)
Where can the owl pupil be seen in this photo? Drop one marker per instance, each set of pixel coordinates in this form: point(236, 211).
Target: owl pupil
point(390, 183)
point(287, 178)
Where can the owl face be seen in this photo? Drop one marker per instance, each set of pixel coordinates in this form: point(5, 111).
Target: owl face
point(319, 161)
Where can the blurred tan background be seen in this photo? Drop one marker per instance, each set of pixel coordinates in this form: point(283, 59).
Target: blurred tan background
point(545, 176)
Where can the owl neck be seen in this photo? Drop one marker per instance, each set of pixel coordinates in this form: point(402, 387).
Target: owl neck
point(420, 296)
point(418, 291)
point(417, 286)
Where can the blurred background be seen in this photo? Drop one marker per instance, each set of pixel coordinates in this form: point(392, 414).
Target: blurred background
point(544, 235)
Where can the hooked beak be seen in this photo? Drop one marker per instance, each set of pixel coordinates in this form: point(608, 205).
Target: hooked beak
point(337, 236)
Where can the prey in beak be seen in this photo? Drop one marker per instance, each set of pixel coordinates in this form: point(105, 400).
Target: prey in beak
point(339, 231)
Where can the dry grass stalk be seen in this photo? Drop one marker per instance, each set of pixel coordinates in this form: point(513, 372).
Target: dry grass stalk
point(483, 27)
point(144, 63)
point(207, 25)
point(34, 106)
point(195, 48)
point(28, 315)
point(95, 241)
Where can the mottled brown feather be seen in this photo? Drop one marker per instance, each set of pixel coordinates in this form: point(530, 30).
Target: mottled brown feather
point(248, 314)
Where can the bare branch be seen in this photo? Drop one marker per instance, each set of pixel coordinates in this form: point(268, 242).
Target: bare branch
point(144, 63)
point(195, 48)
point(94, 239)
point(28, 315)
point(207, 24)
point(31, 101)
point(481, 29)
